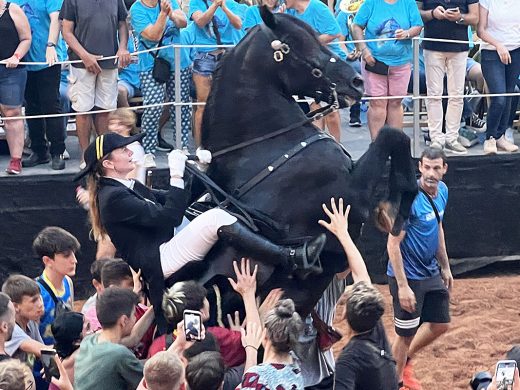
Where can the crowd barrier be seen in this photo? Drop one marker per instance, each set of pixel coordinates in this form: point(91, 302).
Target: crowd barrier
point(177, 103)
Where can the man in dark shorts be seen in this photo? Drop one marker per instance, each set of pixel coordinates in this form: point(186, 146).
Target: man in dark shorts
point(419, 272)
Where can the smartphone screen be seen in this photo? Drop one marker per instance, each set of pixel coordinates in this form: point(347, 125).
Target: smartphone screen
point(50, 369)
point(192, 325)
point(505, 374)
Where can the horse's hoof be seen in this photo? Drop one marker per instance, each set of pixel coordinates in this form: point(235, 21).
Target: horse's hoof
point(385, 217)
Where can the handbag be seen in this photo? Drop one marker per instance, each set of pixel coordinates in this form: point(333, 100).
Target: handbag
point(161, 67)
point(378, 68)
point(327, 335)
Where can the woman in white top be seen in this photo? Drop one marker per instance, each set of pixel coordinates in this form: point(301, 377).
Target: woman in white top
point(499, 28)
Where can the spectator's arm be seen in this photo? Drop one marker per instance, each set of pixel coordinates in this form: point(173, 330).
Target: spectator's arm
point(139, 329)
point(54, 30)
point(246, 287)
point(154, 31)
point(339, 227)
point(442, 258)
point(201, 19)
point(472, 17)
point(90, 60)
point(482, 31)
point(426, 15)
point(393, 247)
point(327, 38)
point(251, 341)
point(22, 28)
point(34, 347)
point(235, 20)
point(123, 55)
point(178, 17)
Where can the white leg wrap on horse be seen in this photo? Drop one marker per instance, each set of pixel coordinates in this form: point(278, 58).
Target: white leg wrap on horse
point(193, 241)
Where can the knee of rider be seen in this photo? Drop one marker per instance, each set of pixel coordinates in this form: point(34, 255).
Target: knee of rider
point(219, 217)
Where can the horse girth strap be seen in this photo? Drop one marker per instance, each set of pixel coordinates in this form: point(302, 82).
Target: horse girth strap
point(311, 117)
point(264, 173)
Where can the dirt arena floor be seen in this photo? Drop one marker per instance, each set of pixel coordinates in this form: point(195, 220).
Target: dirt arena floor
point(485, 324)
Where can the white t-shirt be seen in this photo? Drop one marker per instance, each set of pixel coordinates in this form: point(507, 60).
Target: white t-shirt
point(503, 22)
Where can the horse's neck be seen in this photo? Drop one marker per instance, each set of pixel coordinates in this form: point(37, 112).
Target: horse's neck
point(245, 108)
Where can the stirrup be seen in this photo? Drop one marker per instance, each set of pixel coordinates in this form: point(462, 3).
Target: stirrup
point(310, 266)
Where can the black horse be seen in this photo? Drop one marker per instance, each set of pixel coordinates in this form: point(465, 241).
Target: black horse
point(252, 99)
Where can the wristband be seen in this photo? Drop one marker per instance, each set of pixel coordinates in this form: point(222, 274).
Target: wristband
point(433, 16)
point(18, 56)
point(252, 346)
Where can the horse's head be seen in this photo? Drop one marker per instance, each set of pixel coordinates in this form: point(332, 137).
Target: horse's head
point(303, 65)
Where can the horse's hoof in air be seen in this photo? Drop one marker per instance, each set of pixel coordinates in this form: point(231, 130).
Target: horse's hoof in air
point(385, 216)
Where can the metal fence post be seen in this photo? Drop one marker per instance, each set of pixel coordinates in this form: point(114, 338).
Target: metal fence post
point(416, 101)
point(178, 99)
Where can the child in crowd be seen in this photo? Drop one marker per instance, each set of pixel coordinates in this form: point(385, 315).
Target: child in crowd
point(95, 271)
point(205, 372)
point(117, 273)
point(26, 343)
point(57, 248)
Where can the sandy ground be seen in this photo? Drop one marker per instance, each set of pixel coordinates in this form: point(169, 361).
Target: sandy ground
point(485, 317)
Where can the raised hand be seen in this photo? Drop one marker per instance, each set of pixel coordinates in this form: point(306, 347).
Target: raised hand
point(338, 224)
point(246, 281)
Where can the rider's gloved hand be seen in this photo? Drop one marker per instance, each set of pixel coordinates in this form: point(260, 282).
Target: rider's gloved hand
point(204, 156)
point(177, 163)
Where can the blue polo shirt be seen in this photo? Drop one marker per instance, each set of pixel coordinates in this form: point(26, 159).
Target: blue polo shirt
point(205, 35)
point(37, 12)
point(141, 17)
point(380, 20)
point(420, 244)
point(322, 20)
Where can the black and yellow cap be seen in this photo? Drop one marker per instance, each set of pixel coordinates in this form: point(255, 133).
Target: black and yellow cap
point(101, 147)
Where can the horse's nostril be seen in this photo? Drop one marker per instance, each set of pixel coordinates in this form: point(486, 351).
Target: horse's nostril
point(357, 82)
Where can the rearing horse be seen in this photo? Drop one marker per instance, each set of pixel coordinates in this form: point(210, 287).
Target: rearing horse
point(288, 174)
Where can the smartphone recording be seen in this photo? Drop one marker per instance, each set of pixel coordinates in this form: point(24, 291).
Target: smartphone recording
point(193, 325)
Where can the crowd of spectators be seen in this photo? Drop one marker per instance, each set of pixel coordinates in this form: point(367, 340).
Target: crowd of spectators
point(88, 33)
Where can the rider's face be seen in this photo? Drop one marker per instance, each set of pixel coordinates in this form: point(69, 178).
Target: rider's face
point(432, 171)
point(120, 163)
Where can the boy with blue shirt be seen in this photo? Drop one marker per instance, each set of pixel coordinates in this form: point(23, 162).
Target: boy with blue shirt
point(57, 248)
point(43, 81)
point(419, 272)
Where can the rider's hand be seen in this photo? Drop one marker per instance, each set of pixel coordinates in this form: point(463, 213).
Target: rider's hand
point(407, 299)
point(177, 163)
point(204, 156)
point(246, 281)
point(338, 218)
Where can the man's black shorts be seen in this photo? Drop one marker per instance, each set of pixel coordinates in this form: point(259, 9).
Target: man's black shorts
point(433, 305)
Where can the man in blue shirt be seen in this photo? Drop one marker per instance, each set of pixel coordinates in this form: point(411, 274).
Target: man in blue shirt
point(419, 274)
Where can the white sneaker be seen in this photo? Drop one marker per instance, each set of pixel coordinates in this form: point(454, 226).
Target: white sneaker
point(505, 145)
point(490, 146)
point(509, 135)
point(66, 155)
point(455, 147)
point(436, 145)
point(149, 161)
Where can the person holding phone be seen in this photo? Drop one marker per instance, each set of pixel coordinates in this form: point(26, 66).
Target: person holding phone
point(499, 28)
point(386, 64)
point(446, 20)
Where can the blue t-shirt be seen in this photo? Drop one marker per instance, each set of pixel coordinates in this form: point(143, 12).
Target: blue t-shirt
point(188, 37)
point(420, 244)
point(205, 35)
point(252, 18)
point(38, 11)
point(142, 16)
point(130, 74)
point(48, 303)
point(320, 18)
point(381, 20)
point(241, 12)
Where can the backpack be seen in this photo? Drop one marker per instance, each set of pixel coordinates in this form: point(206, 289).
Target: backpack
point(59, 306)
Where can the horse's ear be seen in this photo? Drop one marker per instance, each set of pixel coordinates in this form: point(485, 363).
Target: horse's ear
point(267, 17)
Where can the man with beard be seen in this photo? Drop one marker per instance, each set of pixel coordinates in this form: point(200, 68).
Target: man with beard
point(419, 272)
point(7, 322)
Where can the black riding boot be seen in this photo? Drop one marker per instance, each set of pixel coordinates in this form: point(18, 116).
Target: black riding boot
point(301, 260)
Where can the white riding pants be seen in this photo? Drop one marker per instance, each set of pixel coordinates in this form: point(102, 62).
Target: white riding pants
point(193, 240)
